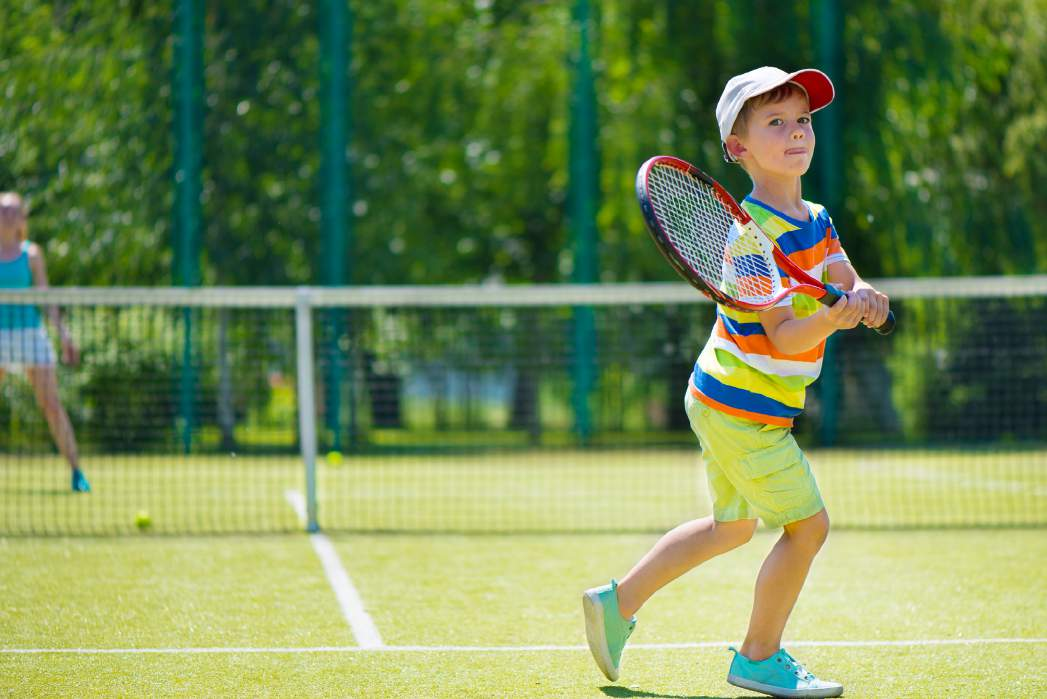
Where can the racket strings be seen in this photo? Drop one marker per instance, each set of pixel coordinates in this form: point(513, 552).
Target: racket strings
point(737, 261)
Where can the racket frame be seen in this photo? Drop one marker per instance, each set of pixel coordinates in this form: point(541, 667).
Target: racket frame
point(804, 283)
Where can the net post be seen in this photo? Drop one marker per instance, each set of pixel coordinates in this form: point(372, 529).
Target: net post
point(306, 401)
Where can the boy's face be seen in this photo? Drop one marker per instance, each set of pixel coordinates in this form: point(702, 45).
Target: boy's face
point(779, 139)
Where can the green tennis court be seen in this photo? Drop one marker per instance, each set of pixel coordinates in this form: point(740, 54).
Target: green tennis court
point(891, 614)
point(479, 596)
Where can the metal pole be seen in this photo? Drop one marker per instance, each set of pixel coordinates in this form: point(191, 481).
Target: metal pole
point(582, 214)
point(827, 31)
point(306, 402)
point(187, 86)
point(335, 30)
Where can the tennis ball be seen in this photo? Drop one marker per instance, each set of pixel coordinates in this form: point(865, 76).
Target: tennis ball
point(142, 520)
point(334, 458)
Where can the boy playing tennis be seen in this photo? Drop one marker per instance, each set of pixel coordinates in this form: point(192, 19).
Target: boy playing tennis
point(748, 385)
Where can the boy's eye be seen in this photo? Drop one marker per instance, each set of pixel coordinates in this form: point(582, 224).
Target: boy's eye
point(777, 121)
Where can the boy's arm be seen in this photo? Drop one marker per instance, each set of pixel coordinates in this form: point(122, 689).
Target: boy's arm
point(874, 305)
point(792, 335)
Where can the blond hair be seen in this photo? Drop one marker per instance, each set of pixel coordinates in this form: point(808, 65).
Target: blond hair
point(778, 94)
point(14, 200)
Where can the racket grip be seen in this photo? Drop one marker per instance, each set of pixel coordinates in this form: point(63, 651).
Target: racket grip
point(888, 325)
point(832, 295)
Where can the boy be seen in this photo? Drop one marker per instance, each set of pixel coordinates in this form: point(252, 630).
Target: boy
point(748, 385)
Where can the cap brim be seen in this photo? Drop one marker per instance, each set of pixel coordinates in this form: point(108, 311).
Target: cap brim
point(820, 91)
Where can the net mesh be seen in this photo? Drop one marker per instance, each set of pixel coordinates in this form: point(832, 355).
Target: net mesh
point(733, 259)
point(502, 409)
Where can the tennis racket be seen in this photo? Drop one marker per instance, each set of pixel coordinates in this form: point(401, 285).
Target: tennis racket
point(715, 245)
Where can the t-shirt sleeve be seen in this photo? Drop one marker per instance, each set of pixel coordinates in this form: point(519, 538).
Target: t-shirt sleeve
point(786, 282)
point(834, 252)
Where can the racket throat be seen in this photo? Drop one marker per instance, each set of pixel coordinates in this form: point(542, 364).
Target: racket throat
point(832, 295)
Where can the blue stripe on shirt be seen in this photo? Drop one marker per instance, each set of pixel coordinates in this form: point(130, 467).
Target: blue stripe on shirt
point(740, 398)
point(738, 328)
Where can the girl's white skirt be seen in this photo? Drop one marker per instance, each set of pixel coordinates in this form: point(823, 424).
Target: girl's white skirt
point(20, 347)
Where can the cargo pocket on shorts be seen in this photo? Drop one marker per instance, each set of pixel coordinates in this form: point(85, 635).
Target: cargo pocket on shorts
point(766, 467)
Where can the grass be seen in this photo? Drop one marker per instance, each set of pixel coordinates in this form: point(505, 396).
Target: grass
point(493, 550)
point(269, 592)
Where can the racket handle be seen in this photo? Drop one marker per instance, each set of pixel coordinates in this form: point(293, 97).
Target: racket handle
point(832, 295)
point(888, 325)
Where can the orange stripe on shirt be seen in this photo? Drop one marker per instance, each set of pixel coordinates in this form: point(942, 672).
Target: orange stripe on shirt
point(834, 247)
point(737, 412)
point(761, 344)
point(811, 257)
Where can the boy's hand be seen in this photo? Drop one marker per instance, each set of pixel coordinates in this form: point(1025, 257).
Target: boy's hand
point(874, 305)
point(845, 313)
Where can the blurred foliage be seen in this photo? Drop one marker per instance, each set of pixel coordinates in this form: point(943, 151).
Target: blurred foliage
point(85, 135)
point(459, 126)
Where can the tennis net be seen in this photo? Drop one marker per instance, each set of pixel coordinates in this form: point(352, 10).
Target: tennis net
point(500, 408)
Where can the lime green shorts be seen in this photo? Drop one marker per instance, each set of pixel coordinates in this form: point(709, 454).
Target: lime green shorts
point(754, 469)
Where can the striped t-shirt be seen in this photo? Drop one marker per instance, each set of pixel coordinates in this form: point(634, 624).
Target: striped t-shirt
point(739, 371)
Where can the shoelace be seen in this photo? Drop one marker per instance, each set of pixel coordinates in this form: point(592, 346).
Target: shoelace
point(797, 667)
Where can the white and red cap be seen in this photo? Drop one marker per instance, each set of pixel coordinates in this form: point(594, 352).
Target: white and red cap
point(743, 87)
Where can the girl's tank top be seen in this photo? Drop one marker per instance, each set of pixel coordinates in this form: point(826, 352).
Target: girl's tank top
point(16, 274)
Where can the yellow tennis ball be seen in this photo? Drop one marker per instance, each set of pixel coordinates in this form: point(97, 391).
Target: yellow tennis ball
point(334, 458)
point(142, 520)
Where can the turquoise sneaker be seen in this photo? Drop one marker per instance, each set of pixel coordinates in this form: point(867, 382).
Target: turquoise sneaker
point(605, 629)
point(779, 676)
point(80, 484)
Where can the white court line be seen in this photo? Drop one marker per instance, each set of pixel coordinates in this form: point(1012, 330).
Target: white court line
point(512, 649)
point(349, 600)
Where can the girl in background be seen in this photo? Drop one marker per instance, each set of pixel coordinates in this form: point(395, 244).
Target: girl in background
point(23, 341)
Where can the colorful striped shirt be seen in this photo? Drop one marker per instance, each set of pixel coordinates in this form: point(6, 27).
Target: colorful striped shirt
point(739, 371)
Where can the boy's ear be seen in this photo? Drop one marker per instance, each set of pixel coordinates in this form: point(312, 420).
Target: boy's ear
point(735, 147)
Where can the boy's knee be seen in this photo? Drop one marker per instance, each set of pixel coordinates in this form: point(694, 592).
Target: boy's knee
point(737, 533)
point(811, 532)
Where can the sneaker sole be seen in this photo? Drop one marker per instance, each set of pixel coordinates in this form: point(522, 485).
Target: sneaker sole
point(596, 636)
point(781, 692)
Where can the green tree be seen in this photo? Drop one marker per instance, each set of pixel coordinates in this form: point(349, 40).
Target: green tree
point(85, 135)
point(460, 113)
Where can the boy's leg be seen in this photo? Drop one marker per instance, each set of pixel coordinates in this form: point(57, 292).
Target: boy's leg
point(677, 552)
point(762, 664)
point(694, 542)
point(609, 609)
point(779, 583)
